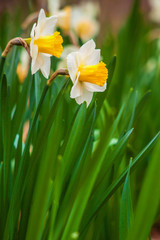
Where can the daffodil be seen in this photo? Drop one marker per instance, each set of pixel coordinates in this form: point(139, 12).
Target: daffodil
point(87, 73)
point(84, 21)
point(155, 10)
point(63, 15)
point(44, 43)
point(79, 18)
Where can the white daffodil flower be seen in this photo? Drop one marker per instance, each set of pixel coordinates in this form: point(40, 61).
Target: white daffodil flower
point(44, 43)
point(155, 10)
point(87, 73)
point(63, 15)
point(79, 18)
point(84, 22)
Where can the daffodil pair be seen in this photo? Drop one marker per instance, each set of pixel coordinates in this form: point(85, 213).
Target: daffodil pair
point(86, 71)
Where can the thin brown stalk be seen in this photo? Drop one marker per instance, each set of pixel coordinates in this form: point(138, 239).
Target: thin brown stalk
point(56, 73)
point(15, 41)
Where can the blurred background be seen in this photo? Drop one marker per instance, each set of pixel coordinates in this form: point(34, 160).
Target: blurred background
point(113, 12)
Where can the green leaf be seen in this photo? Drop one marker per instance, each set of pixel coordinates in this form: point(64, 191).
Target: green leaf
point(117, 183)
point(126, 211)
point(2, 62)
point(73, 186)
point(6, 127)
point(24, 170)
point(42, 187)
point(101, 182)
point(73, 141)
point(87, 181)
point(148, 201)
point(20, 111)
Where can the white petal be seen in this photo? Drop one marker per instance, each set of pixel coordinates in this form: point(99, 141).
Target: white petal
point(87, 48)
point(37, 63)
point(72, 65)
point(45, 68)
point(86, 96)
point(48, 26)
point(34, 66)
point(89, 55)
point(33, 49)
point(33, 30)
point(93, 58)
point(41, 16)
point(45, 25)
point(77, 89)
point(94, 88)
point(69, 49)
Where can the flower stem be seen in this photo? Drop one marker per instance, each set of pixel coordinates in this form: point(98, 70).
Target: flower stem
point(61, 71)
point(15, 41)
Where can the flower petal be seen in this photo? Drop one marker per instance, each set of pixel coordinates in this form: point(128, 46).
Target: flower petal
point(93, 58)
point(45, 68)
point(94, 88)
point(37, 63)
point(89, 55)
point(33, 30)
point(49, 26)
point(34, 66)
point(76, 90)
point(33, 49)
point(72, 65)
point(41, 16)
point(87, 48)
point(86, 96)
point(45, 25)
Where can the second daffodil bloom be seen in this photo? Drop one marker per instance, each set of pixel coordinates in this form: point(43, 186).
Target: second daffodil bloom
point(155, 10)
point(87, 73)
point(44, 43)
point(84, 22)
point(63, 15)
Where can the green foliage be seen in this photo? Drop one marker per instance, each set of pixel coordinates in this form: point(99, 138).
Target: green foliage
point(72, 177)
point(126, 211)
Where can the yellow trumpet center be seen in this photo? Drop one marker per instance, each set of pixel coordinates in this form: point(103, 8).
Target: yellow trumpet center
point(50, 44)
point(96, 74)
